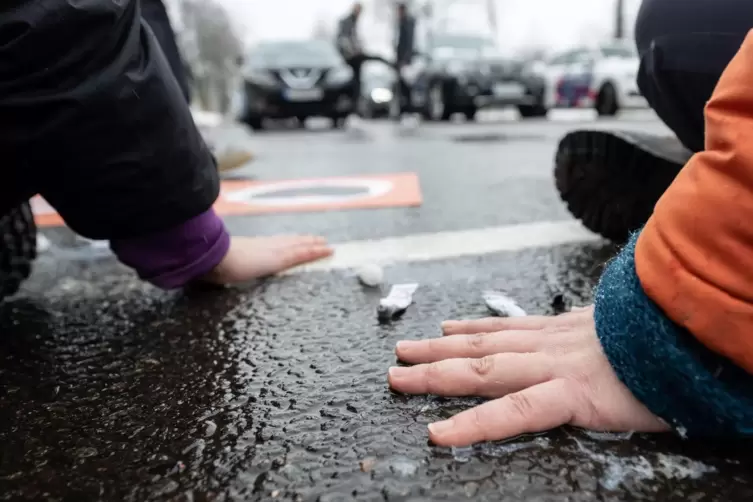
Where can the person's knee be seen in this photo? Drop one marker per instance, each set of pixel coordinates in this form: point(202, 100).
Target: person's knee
point(651, 20)
point(660, 18)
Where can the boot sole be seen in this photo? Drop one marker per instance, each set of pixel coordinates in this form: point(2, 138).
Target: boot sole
point(18, 248)
point(611, 180)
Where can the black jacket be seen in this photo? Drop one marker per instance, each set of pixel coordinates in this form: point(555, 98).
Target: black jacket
point(92, 119)
point(406, 34)
point(347, 41)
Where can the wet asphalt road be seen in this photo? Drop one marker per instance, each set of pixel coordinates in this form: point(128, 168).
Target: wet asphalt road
point(113, 390)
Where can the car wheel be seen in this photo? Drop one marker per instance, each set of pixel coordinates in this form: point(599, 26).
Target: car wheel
point(338, 121)
point(532, 111)
point(606, 102)
point(437, 105)
point(18, 248)
point(470, 113)
point(255, 122)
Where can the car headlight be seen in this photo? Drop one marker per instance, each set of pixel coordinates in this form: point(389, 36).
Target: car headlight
point(340, 75)
point(260, 77)
point(381, 95)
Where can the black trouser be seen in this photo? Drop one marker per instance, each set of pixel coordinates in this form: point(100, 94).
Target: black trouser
point(155, 15)
point(356, 64)
point(685, 45)
point(405, 93)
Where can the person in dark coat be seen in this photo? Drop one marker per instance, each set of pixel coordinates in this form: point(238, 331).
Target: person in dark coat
point(404, 52)
point(351, 48)
point(93, 119)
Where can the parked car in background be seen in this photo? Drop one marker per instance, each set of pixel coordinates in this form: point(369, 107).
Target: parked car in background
point(294, 79)
point(602, 77)
point(465, 73)
point(377, 90)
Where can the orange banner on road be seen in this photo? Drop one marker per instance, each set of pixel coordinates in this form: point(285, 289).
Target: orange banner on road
point(302, 195)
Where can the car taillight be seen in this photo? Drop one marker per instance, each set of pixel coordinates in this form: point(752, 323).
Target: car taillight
point(558, 89)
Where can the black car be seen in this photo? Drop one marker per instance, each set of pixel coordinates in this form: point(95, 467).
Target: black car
point(295, 79)
point(464, 73)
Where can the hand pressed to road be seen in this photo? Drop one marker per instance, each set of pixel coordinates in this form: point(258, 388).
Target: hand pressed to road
point(542, 372)
point(256, 257)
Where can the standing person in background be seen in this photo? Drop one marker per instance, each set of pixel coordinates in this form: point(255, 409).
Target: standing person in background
point(350, 47)
point(404, 51)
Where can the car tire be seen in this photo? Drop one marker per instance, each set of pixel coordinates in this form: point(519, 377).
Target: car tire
point(338, 121)
point(532, 111)
point(470, 113)
point(255, 122)
point(606, 102)
point(18, 248)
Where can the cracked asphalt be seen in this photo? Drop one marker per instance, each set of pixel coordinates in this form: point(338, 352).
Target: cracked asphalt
point(113, 390)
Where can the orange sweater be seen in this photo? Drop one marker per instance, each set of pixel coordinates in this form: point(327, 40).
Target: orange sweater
point(694, 258)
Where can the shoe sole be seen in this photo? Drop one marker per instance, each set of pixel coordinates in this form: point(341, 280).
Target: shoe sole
point(611, 180)
point(18, 248)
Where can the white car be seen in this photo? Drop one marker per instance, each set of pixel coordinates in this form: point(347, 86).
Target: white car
point(602, 77)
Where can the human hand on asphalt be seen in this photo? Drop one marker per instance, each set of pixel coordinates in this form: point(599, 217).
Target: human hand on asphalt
point(541, 372)
point(256, 257)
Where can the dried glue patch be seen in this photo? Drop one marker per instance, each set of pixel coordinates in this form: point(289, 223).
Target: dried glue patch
point(619, 470)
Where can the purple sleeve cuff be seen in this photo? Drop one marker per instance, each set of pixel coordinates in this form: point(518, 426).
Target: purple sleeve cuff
point(173, 258)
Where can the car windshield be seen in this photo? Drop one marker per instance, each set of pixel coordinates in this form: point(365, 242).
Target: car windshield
point(298, 53)
point(381, 80)
point(618, 51)
point(461, 45)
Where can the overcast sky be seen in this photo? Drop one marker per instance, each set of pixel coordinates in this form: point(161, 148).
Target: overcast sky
point(553, 23)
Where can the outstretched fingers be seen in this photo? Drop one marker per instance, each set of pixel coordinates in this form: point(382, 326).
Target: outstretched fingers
point(490, 376)
point(493, 324)
point(461, 346)
point(535, 409)
point(304, 249)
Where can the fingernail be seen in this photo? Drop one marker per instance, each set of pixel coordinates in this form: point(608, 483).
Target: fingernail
point(405, 344)
point(439, 428)
point(397, 372)
point(448, 324)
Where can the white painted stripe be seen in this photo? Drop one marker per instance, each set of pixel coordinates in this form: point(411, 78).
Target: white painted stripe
point(443, 245)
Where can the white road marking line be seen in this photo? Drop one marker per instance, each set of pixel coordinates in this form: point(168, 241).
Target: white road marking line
point(452, 244)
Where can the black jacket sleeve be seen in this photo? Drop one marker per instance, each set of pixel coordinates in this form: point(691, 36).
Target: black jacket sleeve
point(92, 118)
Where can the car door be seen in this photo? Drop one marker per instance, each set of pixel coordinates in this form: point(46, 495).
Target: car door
point(557, 68)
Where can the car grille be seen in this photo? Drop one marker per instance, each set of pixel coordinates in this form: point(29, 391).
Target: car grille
point(505, 70)
point(299, 77)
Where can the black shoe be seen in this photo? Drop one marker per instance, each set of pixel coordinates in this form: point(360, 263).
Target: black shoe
point(611, 180)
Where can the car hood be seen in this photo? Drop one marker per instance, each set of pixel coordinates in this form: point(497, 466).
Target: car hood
point(298, 67)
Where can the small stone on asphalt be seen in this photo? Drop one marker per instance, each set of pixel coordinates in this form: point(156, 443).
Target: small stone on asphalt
point(371, 275)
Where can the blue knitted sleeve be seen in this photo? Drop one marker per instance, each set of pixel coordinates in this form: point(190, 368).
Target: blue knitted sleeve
point(696, 391)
